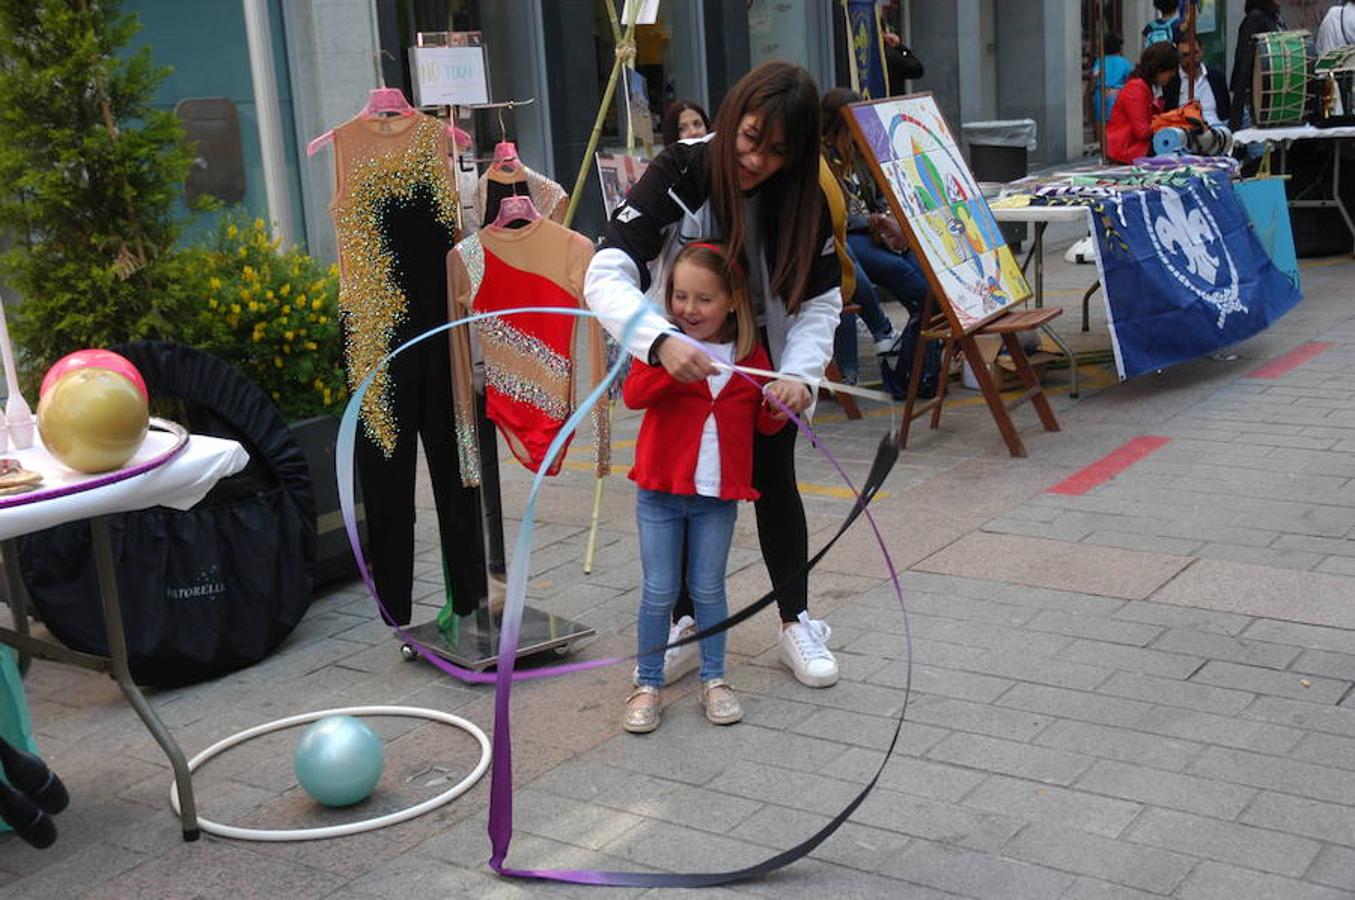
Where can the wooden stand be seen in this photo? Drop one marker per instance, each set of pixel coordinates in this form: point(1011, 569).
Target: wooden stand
point(1009, 325)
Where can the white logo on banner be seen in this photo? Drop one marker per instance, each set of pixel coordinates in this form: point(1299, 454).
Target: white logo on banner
point(1188, 241)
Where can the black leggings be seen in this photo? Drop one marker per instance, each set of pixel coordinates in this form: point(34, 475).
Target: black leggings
point(781, 527)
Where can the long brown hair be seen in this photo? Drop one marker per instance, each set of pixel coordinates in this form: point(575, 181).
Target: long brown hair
point(715, 257)
point(792, 203)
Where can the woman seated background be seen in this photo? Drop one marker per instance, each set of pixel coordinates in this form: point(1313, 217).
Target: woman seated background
point(875, 240)
point(1129, 133)
point(684, 119)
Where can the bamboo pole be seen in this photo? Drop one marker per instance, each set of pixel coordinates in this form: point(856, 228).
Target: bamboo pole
point(624, 53)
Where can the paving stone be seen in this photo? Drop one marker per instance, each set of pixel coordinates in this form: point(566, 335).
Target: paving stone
point(1323, 662)
point(1184, 617)
point(1224, 647)
point(1215, 881)
point(1118, 743)
point(1312, 637)
point(937, 821)
point(961, 715)
point(975, 874)
point(1088, 707)
point(1100, 857)
point(1327, 750)
point(907, 775)
point(1104, 571)
point(819, 878)
point(1304, 779)
point(1010, 758)
point(1294, 685)
point(1092, 889)
point(941, 681)
point(1021, 667)
point(1189, 694)
point(854, 845)
point(1098, 628)
point(1335, 720)
point(1227, 731)
point(1308, 597)
point(1242, 845)
point(868, 731)
point(665, 846)
point(1161, 788)
point(1132, 659)
point(1334, 866)
point(1033, 802)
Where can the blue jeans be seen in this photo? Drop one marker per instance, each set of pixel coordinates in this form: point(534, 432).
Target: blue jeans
point(897, 273)
point(845, 350)
point(707, 524)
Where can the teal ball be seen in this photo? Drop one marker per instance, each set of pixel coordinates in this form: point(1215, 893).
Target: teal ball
point(338, 761)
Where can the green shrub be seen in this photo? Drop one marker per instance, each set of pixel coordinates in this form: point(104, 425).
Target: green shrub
point(272, 315)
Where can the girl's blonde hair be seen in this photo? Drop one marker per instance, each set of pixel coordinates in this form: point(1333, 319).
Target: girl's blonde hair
point(714, 257)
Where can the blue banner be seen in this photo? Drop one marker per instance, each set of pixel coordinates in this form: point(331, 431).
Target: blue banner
point(1184, 274)
point(865, 49)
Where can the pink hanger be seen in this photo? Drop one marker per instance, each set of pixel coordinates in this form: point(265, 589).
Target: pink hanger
point(515, 208)
point(392, 101)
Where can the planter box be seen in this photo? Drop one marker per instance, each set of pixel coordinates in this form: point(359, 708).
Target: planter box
point(333, 556)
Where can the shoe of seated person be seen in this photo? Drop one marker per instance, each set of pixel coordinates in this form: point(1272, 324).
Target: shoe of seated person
point(804, 650)
point(886, 343)
point(677, 661)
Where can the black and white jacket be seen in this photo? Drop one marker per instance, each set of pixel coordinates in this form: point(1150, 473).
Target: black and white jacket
point(665, 210)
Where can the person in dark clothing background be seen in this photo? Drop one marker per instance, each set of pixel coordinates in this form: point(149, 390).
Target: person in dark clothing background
point(1261, 16)
point(901, 64)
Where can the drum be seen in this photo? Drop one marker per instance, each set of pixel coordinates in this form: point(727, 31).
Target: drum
point(1281, 76)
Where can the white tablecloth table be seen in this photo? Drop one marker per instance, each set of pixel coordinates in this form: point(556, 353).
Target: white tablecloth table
point(179, 483)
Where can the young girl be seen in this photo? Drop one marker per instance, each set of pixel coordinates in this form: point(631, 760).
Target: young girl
point(1130, 132)
point(755, 181)
point(693, 462)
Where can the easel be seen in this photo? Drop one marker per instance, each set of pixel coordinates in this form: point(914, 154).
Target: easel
point(941, 321)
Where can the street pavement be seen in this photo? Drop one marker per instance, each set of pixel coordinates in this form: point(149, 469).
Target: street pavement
point(1141, 690)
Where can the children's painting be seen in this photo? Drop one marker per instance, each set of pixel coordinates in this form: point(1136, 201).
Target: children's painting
point(918, 161)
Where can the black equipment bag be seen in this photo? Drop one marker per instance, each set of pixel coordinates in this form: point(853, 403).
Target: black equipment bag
point(207, 590)
point(896, 364)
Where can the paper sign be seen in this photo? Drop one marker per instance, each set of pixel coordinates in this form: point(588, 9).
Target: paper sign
point(649, 13)
point(448, 76)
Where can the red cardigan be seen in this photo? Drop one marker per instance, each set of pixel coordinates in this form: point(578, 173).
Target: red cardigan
point(1129, 134)
point(670, 435)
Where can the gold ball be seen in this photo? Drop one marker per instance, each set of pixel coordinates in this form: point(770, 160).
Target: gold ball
point(93, 420)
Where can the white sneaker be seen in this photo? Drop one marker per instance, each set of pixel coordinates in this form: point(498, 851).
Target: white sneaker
point(886, 343)
point(677, 661)
point(804, 650)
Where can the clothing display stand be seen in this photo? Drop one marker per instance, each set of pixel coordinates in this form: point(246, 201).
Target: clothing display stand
point(473, 641)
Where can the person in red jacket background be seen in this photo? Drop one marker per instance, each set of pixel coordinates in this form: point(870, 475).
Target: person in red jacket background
point(693, 463)
point(1129, 134)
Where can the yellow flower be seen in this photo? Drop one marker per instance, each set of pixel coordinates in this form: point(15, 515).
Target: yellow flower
point(258, 224)
point(211, 304)
point(285, 290)
point(277, 362)
point(257, 337)
point(268, 295)
point(286, 309)
point(316, 304)
point(231, 230)
point(235, 308)
point(215, 283)
point(311, 345)
point(287, 335)
point(242, 252)
point(253, 307)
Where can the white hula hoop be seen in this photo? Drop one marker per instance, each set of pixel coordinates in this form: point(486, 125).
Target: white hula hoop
point(329, 831)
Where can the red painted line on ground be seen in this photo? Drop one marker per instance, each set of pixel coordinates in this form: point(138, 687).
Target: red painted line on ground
point(1291, 360)
point(1110, 465)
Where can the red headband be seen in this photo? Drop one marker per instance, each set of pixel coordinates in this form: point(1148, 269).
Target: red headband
point(724, 254)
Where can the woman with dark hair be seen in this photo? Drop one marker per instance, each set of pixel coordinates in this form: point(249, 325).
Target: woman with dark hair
point(755, 183)
point(1261, 16)
point(685, 119)
point(1129, 134)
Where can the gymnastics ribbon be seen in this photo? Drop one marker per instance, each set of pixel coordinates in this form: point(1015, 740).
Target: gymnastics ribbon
point(501, 785)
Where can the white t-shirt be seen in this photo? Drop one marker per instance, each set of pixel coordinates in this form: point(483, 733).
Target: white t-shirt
point(707, 475)
point(1337, 28)
point(1204, 93)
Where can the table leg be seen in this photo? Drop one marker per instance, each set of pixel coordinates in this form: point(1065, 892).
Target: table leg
point(1039, 263)
point(18, 598)
point(1336, 190)
point(117, 653)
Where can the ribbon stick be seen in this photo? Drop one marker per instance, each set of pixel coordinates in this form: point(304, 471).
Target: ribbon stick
point(501, 789)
